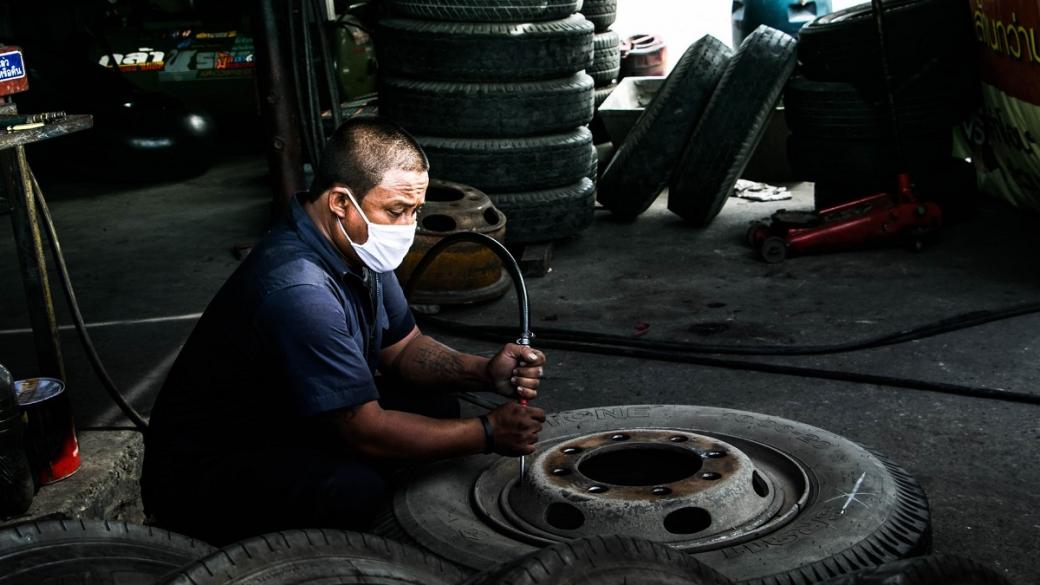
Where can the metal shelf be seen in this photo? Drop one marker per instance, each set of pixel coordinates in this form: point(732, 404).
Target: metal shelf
point(73, 123)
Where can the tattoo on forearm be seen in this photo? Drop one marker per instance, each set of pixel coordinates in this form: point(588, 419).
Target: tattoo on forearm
point(440, 362)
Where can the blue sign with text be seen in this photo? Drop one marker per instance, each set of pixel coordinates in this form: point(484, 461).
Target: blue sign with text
point(11, 66)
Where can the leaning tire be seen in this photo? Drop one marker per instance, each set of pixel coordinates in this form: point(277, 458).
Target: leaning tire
point(732, 125)
point(606, 58)
point(644, 161)
point(466, 51)
point(842, 45)
point(931, 570)
point(92, 552)
point(552, 214)
point(601, 13)
point(505, 165)
point(603, 559)
point(824, 534)
point(307, 556)
point(485, 10)
point(487, 110)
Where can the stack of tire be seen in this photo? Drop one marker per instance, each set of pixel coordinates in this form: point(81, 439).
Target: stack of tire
point(606, 45)
point(837, 108)
point(497, 95)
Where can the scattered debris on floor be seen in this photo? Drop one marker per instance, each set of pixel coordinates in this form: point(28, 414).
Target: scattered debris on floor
point(760, 191)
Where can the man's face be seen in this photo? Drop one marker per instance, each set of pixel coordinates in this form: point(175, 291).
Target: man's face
point(396, 200)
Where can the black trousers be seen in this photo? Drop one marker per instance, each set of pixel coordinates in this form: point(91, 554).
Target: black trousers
point(222, 499)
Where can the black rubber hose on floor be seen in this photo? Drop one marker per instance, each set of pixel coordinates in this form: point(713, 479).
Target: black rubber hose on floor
point(956, 323)
point(610, 346)
point(81, 327)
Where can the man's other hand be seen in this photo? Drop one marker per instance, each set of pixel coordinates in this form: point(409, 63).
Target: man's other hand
point(515, 428)
point(516, 371)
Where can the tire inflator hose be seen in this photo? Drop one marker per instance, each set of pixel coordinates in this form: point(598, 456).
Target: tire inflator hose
point(511, 267)
point(81, 328)
point(686, 353)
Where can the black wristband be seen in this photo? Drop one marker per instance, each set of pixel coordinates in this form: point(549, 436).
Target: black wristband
point(489, 438)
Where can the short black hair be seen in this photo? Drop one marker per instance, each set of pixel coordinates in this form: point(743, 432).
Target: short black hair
point(361, 151)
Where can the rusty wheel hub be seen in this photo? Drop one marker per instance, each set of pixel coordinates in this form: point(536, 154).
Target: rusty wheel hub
point(673, 486)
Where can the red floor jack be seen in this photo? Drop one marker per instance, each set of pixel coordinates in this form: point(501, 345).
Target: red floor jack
point(879, 218)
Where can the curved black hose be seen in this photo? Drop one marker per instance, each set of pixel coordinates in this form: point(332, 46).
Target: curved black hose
point(508, 262)
point(958, 322)
point(77, 317)
point(677, 355)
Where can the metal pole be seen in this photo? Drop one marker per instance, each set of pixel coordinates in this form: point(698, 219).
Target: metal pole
point(17, 183)
point(277, 104)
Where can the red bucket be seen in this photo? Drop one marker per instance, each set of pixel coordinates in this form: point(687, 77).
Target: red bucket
point(50, 436)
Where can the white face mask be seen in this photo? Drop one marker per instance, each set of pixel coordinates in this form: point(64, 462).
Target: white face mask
point(386, 246)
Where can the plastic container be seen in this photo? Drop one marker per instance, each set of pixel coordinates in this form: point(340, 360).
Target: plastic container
point(50, 436)
point(786, 15)
point(626, 103)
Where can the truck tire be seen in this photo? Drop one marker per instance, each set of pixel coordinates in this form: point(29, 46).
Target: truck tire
point(305, 556)
point(818, 159)
point(92, 552)
point(467, 51)
point(732, 125)
point(485, 10)
point(606, 59)
point(487, 110)
point(643, 163)
point(930, 101)
point(506, 165)
point(601, 93)
point(601, 13)
point(543, 216)
point(843, 45)
point(930, 570)
point(830, 535)
point(603, 559)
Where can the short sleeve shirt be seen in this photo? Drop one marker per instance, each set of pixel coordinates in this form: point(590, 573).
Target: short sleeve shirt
point(295, 332)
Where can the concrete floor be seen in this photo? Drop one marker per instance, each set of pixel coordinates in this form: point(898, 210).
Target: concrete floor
point(161, 252)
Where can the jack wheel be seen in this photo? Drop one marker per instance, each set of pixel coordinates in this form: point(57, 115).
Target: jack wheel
point(774, 250)
point(756, 227)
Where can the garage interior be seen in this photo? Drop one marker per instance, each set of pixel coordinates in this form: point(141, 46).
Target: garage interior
point(148, 244)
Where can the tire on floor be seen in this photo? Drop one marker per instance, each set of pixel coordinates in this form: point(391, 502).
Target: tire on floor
point(732, 125)
point(439, 108)
point(92, 551)
point(551, 214)
point(304, 556)
point(497, 165)
point(930, 570)
point(467, 51)
point(603, 559)
point(485, 10)
point(644, 161)
point(827, 535)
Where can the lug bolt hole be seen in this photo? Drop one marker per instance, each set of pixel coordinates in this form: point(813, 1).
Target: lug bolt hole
point(619, 437)
point(678, 439)
point(711, 475)
point(661, 491)
point(561, 471)
point(715, 454)
point(597, 489)
point(572, 450)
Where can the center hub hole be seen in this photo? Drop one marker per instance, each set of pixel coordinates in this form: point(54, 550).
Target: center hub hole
point(635, 465)
point(443, 194)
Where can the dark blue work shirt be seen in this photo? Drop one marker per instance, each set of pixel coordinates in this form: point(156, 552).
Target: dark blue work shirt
point(293, 333)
